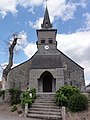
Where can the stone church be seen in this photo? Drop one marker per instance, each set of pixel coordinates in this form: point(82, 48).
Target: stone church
point(48, 69)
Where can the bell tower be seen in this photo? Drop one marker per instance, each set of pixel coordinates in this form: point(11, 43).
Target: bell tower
point(46, 35)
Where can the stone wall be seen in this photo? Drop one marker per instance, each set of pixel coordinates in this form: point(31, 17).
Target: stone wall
point(68, 72)
point(35, 74)
point(19, 76)
point(74, 74)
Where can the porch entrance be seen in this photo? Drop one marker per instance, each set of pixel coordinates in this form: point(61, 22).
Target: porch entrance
point(46, 82)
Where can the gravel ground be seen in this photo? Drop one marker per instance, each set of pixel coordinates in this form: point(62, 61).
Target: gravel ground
point(15, 118)
point(6, 114)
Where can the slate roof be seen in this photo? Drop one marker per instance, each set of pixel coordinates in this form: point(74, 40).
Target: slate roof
point(46, 61)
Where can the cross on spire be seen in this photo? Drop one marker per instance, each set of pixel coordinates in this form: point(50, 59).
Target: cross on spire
point(46, 2)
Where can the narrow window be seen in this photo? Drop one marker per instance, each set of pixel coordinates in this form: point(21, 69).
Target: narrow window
point(42, 40)
point(50, 40)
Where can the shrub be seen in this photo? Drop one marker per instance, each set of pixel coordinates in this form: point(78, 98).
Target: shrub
point(14, 96)
point(69, 90)
point(63, 94)
point(26, 98)
point(78, 102)
point(14, 108)
point(33, 91)
point(61, 100)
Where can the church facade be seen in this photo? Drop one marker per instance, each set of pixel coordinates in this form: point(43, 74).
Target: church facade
point(48, 69)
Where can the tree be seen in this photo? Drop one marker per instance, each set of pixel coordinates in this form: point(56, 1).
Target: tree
point(10, 63)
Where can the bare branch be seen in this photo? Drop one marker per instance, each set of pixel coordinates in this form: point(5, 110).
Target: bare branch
point(11, 53)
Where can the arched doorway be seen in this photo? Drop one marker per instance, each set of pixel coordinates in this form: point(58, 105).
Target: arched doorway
point(46, 79)
point(47, 82)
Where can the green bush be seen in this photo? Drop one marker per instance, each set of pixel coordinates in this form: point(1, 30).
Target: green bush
point(33, 91)
point(61, 100)
point(63, 94)
point(14, 108)
point(69, 90)
point(78, 102)
point(26, 98)
point(71, 97)
point(14, 96)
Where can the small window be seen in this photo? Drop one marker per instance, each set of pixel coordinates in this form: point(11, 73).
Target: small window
point(42, 40)
point(50, 40)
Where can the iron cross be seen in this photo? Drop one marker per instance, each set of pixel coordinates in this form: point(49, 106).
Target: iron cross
point(46, 1)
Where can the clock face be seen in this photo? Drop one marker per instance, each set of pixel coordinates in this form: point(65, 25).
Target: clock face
point(46, 47)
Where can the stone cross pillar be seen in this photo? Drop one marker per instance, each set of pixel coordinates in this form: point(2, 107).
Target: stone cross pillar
point(63, 113)
point(26, 109)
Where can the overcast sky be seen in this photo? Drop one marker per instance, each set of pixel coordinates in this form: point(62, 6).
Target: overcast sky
point(70, 17)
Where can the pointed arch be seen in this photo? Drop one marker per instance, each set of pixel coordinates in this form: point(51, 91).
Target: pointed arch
point(46, 72)
point(46, 78)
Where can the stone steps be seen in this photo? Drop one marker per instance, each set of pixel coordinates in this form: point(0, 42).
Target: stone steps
point(44, 104)
point(44, 101)
point(45, 117)
point(44, 112)
point(45, 108)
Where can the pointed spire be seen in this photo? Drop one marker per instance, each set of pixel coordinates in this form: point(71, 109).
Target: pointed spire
point(46, 21)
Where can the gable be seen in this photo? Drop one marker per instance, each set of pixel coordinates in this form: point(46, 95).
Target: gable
point(70, 63)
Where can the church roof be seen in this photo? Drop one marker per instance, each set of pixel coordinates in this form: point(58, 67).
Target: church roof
point(38, 61)
point(46, 61)
point(46, 21)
